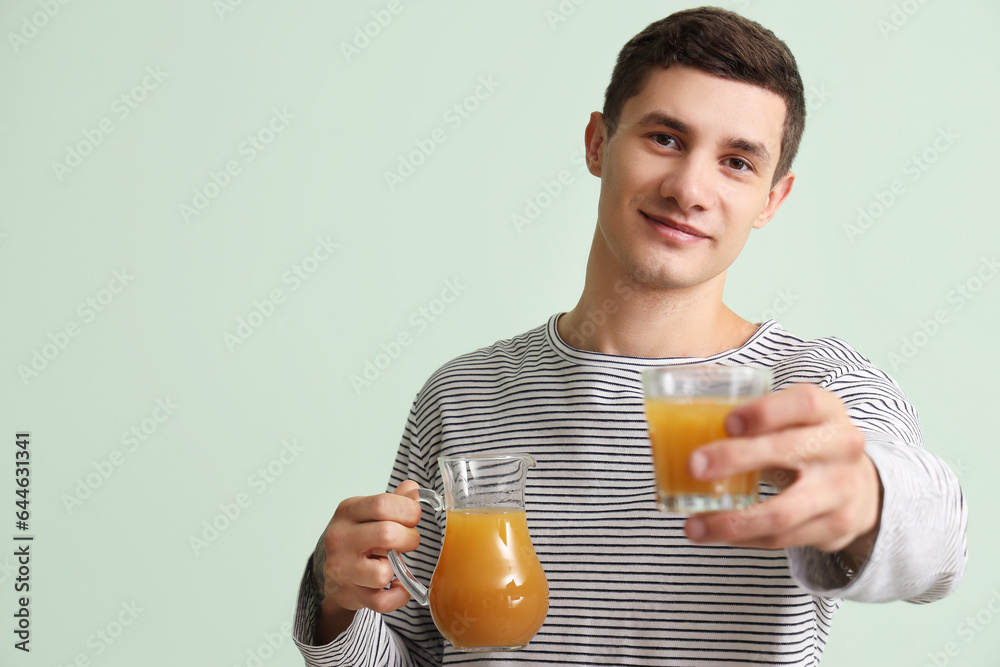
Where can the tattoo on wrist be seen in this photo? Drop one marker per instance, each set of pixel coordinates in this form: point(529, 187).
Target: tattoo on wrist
point(847, 570)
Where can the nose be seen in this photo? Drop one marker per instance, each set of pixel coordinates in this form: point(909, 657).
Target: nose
point(688, 182)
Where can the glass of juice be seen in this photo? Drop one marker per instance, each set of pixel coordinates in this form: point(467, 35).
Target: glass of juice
point(686, 407)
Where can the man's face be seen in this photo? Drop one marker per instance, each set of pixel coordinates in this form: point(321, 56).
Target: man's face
point(687, 175)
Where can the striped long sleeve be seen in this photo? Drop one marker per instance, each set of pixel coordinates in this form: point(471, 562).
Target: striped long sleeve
point(920, 552)
point(626, 586)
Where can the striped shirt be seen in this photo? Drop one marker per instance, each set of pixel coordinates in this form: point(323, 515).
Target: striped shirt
point(626, 586)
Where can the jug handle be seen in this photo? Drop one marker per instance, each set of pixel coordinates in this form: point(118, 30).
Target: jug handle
point(410, 583)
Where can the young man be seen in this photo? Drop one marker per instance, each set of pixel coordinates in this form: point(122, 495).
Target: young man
point(701, 122)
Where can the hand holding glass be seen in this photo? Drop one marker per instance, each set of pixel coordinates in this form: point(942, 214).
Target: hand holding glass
point(686, 407)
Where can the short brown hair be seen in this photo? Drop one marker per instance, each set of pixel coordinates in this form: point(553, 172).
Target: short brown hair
point(719, 42)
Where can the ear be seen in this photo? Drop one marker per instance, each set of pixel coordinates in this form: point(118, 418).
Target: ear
point(595, 138)
point(774, 199)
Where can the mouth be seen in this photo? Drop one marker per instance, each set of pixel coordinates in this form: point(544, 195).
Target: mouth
point(674, 230)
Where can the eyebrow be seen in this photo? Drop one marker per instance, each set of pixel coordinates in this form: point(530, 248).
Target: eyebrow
point(754, 148)
point(660, 119)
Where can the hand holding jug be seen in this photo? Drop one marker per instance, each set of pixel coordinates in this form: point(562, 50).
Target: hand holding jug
point(488, 591)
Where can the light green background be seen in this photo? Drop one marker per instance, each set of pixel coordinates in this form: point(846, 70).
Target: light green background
point(878, 98)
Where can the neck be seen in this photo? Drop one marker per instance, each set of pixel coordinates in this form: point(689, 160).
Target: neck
point(621, 315)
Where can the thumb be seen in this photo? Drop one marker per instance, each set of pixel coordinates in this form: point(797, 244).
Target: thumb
point(407, 488)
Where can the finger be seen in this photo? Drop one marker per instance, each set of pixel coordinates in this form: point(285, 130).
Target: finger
point(347, 549)
point(769, 524)
point(369, 572)
point(379, 600)
point(788, 450)
point(381, 507)
point(374, 573)
point(820, 533)
point(407, 488)
point(377, 537)
point(797, 405)
point(390, 599)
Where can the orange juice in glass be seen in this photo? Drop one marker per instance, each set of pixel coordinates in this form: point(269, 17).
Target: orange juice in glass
point(686, 407)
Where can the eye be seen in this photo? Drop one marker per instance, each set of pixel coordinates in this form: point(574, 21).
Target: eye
point(665, 140)
point(740, 164)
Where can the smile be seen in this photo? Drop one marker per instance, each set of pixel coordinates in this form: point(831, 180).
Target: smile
point(674, 231)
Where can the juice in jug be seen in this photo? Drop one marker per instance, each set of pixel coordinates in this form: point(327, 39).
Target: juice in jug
point(488, 591)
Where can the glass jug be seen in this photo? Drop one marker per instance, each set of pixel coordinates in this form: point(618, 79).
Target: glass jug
point(488, 591)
